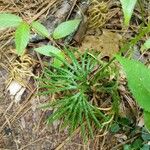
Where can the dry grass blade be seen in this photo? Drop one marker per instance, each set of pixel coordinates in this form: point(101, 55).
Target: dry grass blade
point(42, 11)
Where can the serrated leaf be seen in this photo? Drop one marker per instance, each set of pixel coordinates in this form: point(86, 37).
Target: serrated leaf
point(128, 7)
point(47, 50)
point(40, 29)
point(65, 28)
point(9, 20)
point(22, 36)
point(147, 120)
point(138, 77)
point(146, 45)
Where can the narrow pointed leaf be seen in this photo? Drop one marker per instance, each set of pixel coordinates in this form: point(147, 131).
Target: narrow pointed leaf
point(138, 77)
point(147, 120)
point(40, 29)
point(22, 36)
point(65, 28)
point(47, 50)
point(9, 20)
point(128, 7)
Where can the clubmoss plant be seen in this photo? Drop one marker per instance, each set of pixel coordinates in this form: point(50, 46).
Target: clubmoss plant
point(75, 84)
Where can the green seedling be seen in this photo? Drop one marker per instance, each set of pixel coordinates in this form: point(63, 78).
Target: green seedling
point(73, 81)
point(22, 33)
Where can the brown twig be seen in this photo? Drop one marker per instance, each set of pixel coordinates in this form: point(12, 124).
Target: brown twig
point(42, 11)
point(74, 3)
point(67, 139)
point(125, 142)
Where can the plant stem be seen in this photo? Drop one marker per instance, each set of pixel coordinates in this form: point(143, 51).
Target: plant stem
point(138, 37)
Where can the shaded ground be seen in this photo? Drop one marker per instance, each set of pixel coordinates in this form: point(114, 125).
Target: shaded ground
point(22, 125)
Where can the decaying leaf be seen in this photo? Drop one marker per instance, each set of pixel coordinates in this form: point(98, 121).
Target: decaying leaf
point(107, 43)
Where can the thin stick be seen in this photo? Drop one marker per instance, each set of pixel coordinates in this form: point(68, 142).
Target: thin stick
point(74, 3)
point(125, 142)
point(21, 108)
point(32, 143)
point(66, 140)
point(42, 11)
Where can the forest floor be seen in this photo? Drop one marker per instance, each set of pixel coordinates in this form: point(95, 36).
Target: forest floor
point(22, 123)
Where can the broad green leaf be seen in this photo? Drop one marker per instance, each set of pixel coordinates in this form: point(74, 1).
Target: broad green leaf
point(147, 120)
point(40, 29)
point(146, 45)
point(22, 35)
point(47, 50)
point(128, 7)
point(9, 20)
point(65, 28)
point(138, 77)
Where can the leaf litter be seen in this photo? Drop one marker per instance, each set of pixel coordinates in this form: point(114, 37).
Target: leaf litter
point(24, 119)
